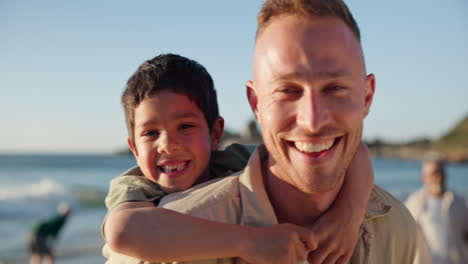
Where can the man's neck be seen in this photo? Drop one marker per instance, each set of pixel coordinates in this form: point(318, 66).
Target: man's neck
point(436, 191)
point(291, 205)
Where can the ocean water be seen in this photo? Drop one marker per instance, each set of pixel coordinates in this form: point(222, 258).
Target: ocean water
point(31, 187)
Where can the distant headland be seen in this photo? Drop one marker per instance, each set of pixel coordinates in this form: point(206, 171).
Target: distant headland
point(452, 146)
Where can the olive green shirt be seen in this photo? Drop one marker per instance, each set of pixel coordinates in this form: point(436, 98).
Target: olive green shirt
point(387, 234)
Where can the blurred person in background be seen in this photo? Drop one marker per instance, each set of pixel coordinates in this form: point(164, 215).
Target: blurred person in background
point(442, 216)
point(44, 234)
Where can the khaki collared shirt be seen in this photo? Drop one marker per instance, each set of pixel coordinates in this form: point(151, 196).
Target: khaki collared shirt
point(387, 235)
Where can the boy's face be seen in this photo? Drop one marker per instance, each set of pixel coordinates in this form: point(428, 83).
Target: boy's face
point(172, 141)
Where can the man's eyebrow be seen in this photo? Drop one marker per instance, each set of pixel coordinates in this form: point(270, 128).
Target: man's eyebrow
point(302, 76)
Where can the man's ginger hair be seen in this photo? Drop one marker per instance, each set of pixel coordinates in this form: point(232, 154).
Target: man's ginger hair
point(274, 9)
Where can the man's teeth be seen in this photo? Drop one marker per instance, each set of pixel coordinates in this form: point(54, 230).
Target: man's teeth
point(317, 147)
point(173, 168)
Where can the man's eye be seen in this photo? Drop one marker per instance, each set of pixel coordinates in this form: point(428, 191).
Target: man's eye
point(289, 90)
point(334, 88)
point(151, 133)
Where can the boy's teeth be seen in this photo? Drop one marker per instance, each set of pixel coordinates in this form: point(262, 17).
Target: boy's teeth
point(317, 147)
point(173, 168)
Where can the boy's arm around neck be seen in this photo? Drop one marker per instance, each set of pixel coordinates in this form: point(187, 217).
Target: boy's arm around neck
point(338, 228)
point(142, 231)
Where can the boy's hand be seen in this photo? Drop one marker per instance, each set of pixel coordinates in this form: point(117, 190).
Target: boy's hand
point(337, 229)
point(278, 244)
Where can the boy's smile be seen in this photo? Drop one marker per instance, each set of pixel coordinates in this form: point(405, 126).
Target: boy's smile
point(173, 142)
point(173, 166)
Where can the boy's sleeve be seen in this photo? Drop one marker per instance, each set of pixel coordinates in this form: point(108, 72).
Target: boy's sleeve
point(232, 159)
point(132, 186)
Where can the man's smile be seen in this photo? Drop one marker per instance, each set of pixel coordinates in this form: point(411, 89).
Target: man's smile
point(315, 149)
point(308, 147)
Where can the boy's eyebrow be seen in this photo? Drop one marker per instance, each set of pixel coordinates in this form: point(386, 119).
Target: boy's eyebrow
point(180, 115)
point(185, 115)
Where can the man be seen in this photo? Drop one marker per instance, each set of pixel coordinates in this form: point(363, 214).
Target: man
point(310, 94)
point(443, 217)
point(44, 234)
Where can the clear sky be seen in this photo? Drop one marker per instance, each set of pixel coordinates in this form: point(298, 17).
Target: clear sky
point(64, 64)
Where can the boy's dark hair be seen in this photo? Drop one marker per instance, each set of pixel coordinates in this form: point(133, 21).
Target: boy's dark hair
point(273, 9)
point(174, 73)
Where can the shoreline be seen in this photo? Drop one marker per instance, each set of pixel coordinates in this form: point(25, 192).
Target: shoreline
point(65, 254)
point(418, 154)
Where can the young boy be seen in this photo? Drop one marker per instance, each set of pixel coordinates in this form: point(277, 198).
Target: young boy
point(174, 129)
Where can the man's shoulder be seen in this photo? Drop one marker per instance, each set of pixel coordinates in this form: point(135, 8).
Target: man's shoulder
point(389, 216)
point(394, 208)
point(457, 196)
point(415, 197)
point(459, 201)
point(392, 228)
point(210, 195)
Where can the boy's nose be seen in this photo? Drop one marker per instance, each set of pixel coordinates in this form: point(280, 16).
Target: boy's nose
point(167, 144)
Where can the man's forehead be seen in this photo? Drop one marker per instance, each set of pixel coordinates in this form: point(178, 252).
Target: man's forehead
point(290, 43)
point(330, 29)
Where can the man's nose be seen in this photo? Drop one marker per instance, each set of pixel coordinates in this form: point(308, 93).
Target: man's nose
point(167, 143)
point(312, 113)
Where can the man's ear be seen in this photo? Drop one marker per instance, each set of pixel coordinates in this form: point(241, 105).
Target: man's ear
point(217, 133)
point(252, 97)
point(369, 93)
point(132, 147)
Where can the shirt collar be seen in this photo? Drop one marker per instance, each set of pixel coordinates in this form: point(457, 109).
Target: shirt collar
point(376, 206)
point(258, 210)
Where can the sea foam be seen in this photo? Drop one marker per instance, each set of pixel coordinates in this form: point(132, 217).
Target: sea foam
point(36, 198)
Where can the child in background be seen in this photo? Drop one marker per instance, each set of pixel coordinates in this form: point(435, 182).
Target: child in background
point(43, 236)
point(174, 129)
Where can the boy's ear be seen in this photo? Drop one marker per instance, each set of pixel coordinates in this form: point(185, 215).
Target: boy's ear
point(252, 97)
point(132, 147)
point(216, 133)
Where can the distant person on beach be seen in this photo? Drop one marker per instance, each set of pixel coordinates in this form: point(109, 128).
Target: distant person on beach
point(442, 216)
point(174, 128)
point(43, 236)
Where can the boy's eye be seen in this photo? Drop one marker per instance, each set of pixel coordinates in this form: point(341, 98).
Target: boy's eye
point(186, 126)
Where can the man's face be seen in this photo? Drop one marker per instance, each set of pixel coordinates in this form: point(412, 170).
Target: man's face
point(433, 177)
point(310, 95)
point(172, 140)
